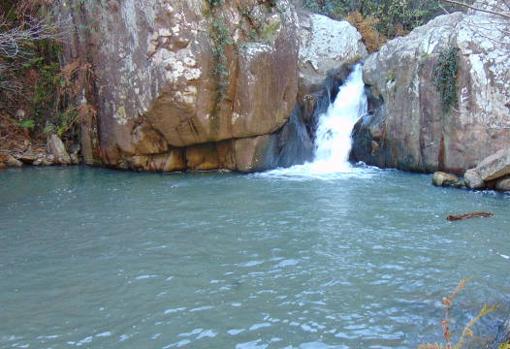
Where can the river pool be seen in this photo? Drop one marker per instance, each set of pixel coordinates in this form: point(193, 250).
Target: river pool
point(95, 258)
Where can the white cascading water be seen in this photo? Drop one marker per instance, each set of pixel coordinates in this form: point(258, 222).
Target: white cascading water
point(333, 139)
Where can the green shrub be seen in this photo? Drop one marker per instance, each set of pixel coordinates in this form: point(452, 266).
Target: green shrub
point(445, 77)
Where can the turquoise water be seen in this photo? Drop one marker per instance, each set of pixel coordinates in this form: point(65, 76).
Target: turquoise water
point(104, 259)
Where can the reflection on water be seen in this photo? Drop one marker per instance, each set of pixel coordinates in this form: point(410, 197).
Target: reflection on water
point(101, 259)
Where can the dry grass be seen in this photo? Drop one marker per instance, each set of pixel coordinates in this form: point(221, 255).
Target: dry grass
point(467, 332)
point(367, 28)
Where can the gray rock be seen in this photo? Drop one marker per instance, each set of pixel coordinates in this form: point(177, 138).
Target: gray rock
point(57, 148)
point(75, 159)
point(408, 120)
point(325, 44)
point(27, 157)
point(443, 179)
point(11, 161)
point(473, 180)
point(503, 184)
point(495, 166)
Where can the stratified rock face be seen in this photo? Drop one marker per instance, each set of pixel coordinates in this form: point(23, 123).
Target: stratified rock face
point(408, 127)
point(189, 85)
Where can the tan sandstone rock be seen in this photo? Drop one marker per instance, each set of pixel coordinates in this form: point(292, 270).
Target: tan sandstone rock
point(443, 179)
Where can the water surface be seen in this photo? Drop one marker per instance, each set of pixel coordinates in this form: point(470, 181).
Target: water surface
point(105, 259)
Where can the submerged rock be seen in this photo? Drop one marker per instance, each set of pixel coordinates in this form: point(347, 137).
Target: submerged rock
point(473, 179)
point(503, 336)
point(443, 179)
point(413, 126)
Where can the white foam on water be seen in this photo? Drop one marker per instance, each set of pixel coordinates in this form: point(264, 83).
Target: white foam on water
point(333, 140)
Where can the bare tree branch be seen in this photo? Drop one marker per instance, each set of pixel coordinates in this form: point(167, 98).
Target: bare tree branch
point(459, 3)
point(12, 40)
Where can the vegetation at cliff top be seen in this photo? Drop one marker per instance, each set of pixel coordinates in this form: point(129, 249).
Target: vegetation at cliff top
point(379, 20)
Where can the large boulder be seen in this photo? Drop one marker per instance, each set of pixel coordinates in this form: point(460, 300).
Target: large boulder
point(325, 45)
point(412, 126)
point(172, 75)
point(494, 168)
point(194, 84)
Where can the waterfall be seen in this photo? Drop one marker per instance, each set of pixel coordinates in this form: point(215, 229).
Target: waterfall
point(333, 140)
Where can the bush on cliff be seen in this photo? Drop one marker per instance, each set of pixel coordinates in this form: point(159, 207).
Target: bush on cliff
point(35, 92)
point(378, 19)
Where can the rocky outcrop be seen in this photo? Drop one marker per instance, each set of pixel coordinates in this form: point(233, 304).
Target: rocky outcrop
point(195, 85)
point(325, 45)
point(412, 126)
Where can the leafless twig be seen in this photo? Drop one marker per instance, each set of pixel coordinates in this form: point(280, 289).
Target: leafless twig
point(13, 40)
point(460, 3)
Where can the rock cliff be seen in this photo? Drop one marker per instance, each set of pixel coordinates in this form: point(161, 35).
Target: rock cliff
point(200, 85)
point(439, 97)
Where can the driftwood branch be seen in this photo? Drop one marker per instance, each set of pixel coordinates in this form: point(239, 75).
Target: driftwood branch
point(461, 217)
point(460, 3)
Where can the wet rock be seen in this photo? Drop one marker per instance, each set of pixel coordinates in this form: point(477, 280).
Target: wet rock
point(503, 184)
point(11, 161)
point(408, 118)
point(495, 166)
point(27, 158)
point(473, 179)
point(443, 179)
point(57, 148)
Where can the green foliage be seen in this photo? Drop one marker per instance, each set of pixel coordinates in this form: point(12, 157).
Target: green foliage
point(27, 124)
point(394, 17)
point(220, 34)
point(50, 103)
point(215, 3)
point(445, 77)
